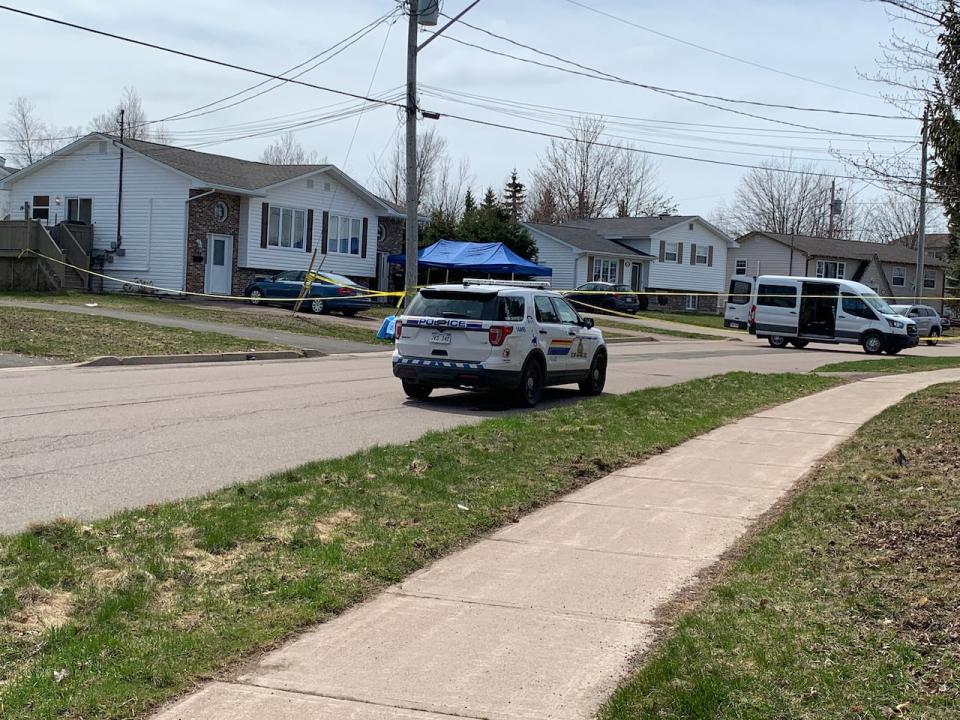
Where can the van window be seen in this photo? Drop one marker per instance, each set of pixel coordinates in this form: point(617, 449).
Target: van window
point(784, 296)
point(739, 292)
point(853, 305)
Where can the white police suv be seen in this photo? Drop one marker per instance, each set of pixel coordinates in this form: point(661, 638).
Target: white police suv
point(511, 337)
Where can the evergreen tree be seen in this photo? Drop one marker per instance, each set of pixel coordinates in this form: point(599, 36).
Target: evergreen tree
point(489, 200)
point(514, 197)
point(469, 202)
point(441, 227)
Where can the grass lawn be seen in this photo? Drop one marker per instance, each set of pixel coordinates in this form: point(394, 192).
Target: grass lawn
point(130, 611)
point(305, 324)
point(43, 333)
point(701, 319)
point(902, 364)
point(848, 606)
point(604, 323)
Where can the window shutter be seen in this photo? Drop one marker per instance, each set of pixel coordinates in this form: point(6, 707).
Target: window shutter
point(710, 256)
point(693, 253)
point(679, 253)
point(663, 250)
point(264, 223)
point(363, 238)
point(620, 272)
point(309, 230)
point(589, 269)
point(324, 232)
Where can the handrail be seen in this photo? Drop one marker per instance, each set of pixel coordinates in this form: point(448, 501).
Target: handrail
point(77, 247)
point(45, 244)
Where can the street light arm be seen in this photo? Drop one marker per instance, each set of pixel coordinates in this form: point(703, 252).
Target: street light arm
point(433, 37)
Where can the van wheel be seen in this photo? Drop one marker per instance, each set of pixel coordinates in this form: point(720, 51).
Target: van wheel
point(777, 341)
point(594, 382)
point(934, 337)
point(873, 344)
point(799, 344)
point(531, 384)
point(416, 391)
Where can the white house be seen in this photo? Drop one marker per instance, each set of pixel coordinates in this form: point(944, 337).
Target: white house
point(682, 256)
point(198, 222)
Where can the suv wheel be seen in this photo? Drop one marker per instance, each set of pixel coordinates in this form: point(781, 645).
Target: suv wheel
point(873, 344)
point(531, 384)
point(934, 337)
point(416, 391)
point(594, 382)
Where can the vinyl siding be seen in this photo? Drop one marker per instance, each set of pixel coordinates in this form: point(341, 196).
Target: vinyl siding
point(339, 200)
point(764, 257)
point(153, 215)
point(677, 276)
point(562, 259)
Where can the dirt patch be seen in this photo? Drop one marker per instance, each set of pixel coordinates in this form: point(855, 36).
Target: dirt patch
point(108, 579)
point(40, 610)
point(326, 528)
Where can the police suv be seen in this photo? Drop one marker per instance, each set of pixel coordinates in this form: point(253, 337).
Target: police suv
point(511, 337)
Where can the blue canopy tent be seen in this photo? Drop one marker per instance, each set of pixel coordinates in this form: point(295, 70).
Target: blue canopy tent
point(491, 258)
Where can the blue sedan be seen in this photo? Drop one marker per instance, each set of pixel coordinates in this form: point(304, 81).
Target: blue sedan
point(328, 292)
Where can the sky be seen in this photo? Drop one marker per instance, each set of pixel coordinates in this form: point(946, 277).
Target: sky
point(71, 76)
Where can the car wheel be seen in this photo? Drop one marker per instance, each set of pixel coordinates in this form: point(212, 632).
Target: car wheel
point(799, 344)
point(256, 297)
point(873, 344)
point(933, 338)
point(416, 391)
point(894, 351)
point(777, 341)
point(594, 382)
point(531, 384)
point(318, 306)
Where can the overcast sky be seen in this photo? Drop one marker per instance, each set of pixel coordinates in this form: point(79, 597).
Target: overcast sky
point(72, 76)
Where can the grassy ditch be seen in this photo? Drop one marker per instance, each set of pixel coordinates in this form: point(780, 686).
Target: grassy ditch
point(637, 328)
point(701, 319)
point(74, 337)
point(848, 606)
point(109, 618)
point(902, 364)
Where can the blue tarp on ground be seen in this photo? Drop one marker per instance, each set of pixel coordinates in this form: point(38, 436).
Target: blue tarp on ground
point(494, 258)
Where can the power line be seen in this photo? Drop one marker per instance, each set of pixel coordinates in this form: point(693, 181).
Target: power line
point(718, 52)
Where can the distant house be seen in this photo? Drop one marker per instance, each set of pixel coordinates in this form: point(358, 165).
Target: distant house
point(198, 222)
point(936, 244)
point(889, 269)
point(681, 256)
point(4, 194)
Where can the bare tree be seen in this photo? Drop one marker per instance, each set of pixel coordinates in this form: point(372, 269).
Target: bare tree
point(29, 136)
point(895, 217)
point(288, 151)
point(446, 193)
point(392, 173)
point(541, 206)
point(136, 126)
point(640, 192)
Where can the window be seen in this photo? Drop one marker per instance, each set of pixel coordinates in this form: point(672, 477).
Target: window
point(512, 309)
point(740, 291)
point(670, 252)
point(568, 316)
point(80, 210)
point(929, 279)
point(344, 234)
point(287, 228)
point(853, 305)
point(693, 302)
point(783, 296)
point(899, 277)
point(220, 212)
point(545, 310)
point(703, 255)
point(455, 305)
point(41, 208)
point(604, 270)
point(292, 276)
point(741, 268)
point(831, 270)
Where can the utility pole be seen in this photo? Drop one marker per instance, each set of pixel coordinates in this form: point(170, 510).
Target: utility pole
point(833, 205)
point(120, 184)
point(922, 219)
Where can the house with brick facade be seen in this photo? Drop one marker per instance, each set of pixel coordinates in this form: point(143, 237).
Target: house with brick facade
point(679, 259)
point(198, 222)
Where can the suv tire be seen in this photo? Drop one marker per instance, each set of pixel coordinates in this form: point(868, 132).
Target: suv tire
point(873, 343)
point(416, 391)
point(597, 378)
point(934, 337)
point(531, 383)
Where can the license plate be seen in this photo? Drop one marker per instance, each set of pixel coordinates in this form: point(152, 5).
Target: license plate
point(440, 338)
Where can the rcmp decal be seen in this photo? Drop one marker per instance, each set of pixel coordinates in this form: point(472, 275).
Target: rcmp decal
point(560, 347)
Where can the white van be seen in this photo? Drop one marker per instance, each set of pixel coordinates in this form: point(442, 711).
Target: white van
point(799, 310)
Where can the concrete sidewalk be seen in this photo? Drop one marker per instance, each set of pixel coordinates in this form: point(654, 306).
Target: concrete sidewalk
point(653, 322)
point(541, 619)
point(309, 342)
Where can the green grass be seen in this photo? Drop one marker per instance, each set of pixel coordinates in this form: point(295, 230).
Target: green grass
point(603, 322)
point(140, 606)
point(73, 337)
point(701, 319)
point(846, 607)
point(267, 318)
point(903, 364)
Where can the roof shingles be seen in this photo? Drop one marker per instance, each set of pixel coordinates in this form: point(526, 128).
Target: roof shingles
point(585, 239)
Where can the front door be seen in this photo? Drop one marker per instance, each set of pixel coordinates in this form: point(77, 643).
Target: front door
point(552, 335)
point(219, 280)
point(578, 359)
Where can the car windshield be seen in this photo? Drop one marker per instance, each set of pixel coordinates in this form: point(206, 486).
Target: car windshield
point(900, 309)
point(335, 279)
point(878, 304)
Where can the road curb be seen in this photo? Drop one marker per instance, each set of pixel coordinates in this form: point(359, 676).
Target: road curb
point(624, 340)
point(112, 361)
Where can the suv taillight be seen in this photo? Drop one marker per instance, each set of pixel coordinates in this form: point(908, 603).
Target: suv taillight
point(397, 329)
point(499, 333)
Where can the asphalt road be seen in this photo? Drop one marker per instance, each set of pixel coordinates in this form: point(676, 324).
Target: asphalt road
point(85, 442)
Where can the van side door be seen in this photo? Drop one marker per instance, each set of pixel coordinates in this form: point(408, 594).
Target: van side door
point(777, 309)
point(854, 317)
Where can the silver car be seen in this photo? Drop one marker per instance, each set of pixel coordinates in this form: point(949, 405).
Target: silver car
point(927, 319)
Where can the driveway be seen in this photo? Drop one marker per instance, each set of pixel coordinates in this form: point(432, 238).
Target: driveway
point(85, 442)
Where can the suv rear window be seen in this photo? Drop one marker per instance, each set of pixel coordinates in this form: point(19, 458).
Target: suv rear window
point(739, 292)
point(467, 306)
